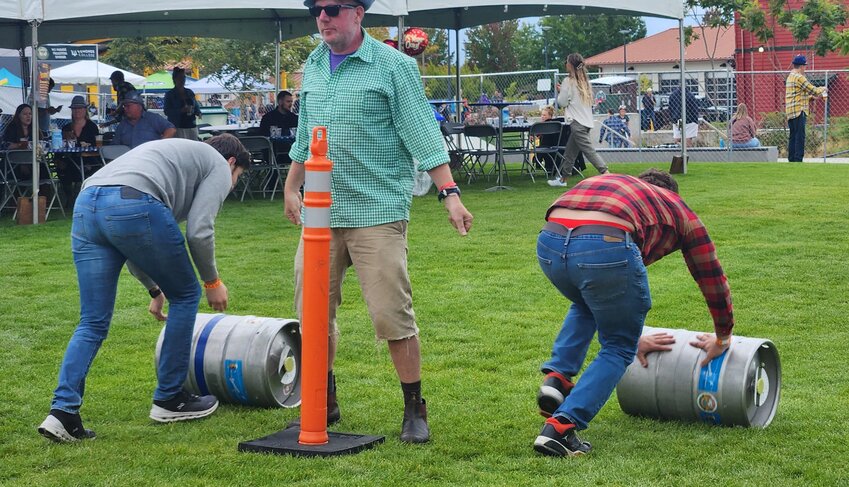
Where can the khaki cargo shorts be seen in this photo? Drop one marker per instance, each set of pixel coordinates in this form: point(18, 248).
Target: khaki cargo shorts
point(379, 256)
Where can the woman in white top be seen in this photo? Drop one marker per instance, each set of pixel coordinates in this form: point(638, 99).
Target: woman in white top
point(577, 98)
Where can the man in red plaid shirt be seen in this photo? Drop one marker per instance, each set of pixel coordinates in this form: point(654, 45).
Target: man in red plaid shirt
point(599, 237)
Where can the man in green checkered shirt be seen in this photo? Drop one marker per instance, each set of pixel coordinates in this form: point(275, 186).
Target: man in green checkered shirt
point(370, 98)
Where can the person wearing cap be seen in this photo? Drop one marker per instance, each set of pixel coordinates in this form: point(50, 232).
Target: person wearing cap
point(138, 125)
point(84, 132)
point(370, 98)
point(594, 248)
point(797, 94)
point(122, 88)
point(180, 106)
point(129, 212)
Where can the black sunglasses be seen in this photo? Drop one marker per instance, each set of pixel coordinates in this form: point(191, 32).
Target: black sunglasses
point(331, 10)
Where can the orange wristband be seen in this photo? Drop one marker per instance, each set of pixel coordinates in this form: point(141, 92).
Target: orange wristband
point(452, 184)
point(213, 284)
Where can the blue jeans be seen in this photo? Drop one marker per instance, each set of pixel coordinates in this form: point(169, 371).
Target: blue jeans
point(608, 286)
point(107, 231)
point(751, 143)
point(796, 144)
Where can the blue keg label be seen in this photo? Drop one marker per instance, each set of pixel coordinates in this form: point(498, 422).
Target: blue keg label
point(706, 398)
point(200, 351)
point(235, 383)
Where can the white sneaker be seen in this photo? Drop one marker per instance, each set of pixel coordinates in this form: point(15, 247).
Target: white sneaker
point(556, 183)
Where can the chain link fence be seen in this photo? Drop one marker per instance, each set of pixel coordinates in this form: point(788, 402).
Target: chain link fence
point(649, 138)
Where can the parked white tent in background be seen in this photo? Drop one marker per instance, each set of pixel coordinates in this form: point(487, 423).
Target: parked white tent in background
point(90, 73)
point(211, 84)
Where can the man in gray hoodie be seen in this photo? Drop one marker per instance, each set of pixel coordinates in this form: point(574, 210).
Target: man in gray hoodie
point(130, 212)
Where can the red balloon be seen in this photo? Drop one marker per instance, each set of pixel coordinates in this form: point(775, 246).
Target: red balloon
point(415, 41)
point(391, 42)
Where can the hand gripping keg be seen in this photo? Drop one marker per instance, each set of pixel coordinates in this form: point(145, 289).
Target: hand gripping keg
point(740, 387)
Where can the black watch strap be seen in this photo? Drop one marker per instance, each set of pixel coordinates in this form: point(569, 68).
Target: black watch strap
point(448, 191)
point(154, 292)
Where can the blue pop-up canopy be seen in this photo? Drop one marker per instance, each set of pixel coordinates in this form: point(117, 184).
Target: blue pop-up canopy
point(9, 79)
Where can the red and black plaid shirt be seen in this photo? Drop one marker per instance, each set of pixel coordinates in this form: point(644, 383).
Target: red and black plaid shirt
point(663, 223)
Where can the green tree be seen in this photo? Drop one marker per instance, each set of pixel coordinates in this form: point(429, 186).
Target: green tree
point(138, 54)
point(529, 46)
point(709, 14)
point(588, 35)
point(490, 48)
point(828, 16)
point(436, 53)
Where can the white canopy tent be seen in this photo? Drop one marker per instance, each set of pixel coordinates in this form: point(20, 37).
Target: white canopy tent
point(460, 14)
point(28, 23)
point(90, 73)
point(211, 84)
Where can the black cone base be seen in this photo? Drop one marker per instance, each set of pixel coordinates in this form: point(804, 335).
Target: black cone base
point(285, 442)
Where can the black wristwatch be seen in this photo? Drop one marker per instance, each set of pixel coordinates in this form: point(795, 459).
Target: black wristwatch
point(154, 292)
point(448, 191)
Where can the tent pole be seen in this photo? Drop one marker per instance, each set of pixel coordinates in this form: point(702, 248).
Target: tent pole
point(457, 92)
point(277, 55)
point(683, 95)
point(401, 34)
point(35, 128)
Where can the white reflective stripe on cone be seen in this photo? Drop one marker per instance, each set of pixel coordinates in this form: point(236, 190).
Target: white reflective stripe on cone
point(316, 217)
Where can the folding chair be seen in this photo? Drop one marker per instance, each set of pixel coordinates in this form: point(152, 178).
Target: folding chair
point(111, 152)
point(514, 141)
point(264, 169)
point(548, 134)
point(6, 194)
point(482, 141)
point(19, 178)
point(578, 165)
point(459, 158)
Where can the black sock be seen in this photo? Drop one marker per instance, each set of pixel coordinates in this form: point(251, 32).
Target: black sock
point(331, 382)
point(412, 390)
point(72, 422)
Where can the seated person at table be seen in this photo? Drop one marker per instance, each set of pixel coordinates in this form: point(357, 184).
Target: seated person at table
point(138, 125)
point(282, 118)
point(18, 134)
point(84, 132)
point(181, 108)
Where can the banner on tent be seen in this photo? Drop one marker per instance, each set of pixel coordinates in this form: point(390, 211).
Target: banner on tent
point(67, 52)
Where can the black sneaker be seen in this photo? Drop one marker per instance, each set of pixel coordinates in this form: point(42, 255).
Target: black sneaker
point(183, 407)
point(63, 427)
point(560, 439)
point(553, 392)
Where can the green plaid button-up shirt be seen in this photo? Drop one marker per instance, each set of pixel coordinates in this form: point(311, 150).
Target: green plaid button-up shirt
point(377, 120)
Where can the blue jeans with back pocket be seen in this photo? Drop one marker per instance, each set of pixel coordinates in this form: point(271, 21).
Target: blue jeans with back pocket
point(109, 229)
point(607, 283)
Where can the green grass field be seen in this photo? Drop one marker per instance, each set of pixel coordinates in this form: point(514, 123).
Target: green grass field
point(488, 317)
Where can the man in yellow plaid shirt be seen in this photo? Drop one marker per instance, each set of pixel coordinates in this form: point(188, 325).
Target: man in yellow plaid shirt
point(797, 95)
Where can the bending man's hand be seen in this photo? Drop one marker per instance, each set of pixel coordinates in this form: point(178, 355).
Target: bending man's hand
point(217, 297)
point(656, 342)
point(458, 215)
point(707, 342)
point(155, 307)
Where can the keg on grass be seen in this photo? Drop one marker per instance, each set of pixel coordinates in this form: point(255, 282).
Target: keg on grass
point(740, 387)
point(245, 360)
